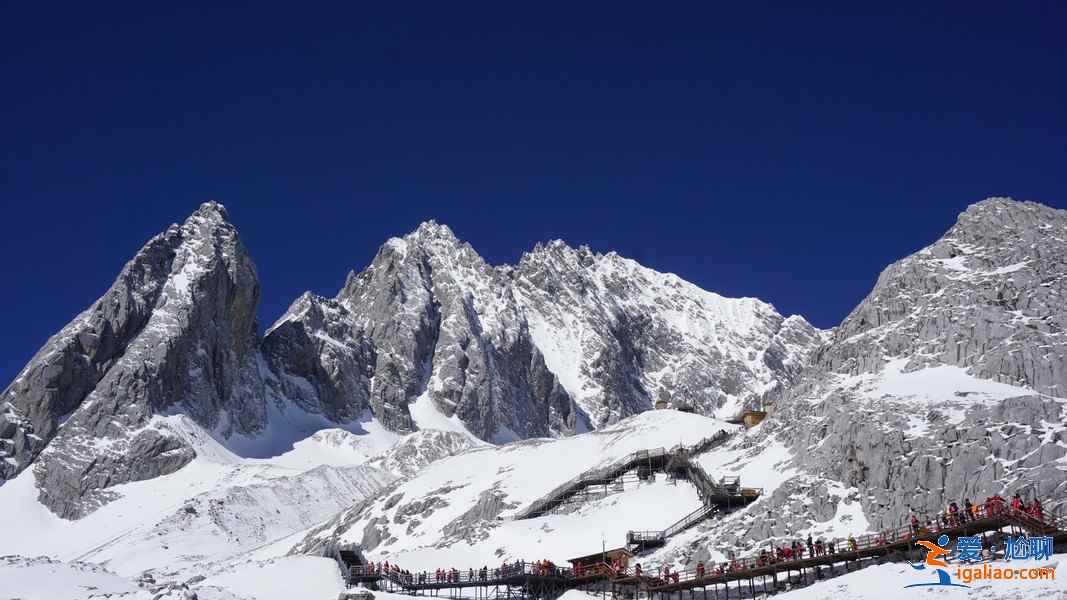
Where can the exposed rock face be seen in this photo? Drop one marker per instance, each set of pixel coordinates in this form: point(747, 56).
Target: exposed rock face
point(946, 383)
point(622, 336)
point(427, 316)
point(565, 341)
point(988, 296)
point(69, 366)
point(414, 452)
point(177, 331)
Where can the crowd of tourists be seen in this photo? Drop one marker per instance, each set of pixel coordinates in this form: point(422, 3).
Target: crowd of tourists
point(954, 515)
point(543, 568)
point(957, 514)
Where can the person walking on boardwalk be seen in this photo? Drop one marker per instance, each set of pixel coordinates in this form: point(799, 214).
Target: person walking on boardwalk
point(993, 504)
point(1036, 510)
point(700, 569)
point(811, 546)
point(1016, 502)
point(852, 543)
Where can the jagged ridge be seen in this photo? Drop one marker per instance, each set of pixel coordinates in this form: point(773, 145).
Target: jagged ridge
point(428, 335)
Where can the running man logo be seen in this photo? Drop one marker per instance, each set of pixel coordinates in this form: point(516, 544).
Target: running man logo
point(969, 552)
point(933, 554)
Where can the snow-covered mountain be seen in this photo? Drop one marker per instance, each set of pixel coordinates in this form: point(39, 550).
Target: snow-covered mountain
point(176, 332)
point(619, 336)
point(219, 511)
point(944, 384)
point(157, 444)
point(566, 341)
point(463, 506)
point(428, 336)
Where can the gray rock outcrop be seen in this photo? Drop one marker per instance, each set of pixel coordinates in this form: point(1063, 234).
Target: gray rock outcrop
point(427, 316)
point(176, 331)
point(565, 341)
point(946, 383)
point(624, 336)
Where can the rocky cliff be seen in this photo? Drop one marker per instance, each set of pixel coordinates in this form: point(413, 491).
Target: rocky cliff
point(427, 317)
point(429, 335)
point(565, 341)
point(176, 332)
point(946, 383)
point(621, 336)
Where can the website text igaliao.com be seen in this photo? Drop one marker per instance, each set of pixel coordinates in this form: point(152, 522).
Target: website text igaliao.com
point(987, 572)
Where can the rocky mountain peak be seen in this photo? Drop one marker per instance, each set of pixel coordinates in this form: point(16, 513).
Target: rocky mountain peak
point(175, 333)
point(428, 335)
point(557, 254)
point(211, 211)
point(957, 355)
point(1000, 229)
point(1006, 211)
point(969, 299)
point(433, 233)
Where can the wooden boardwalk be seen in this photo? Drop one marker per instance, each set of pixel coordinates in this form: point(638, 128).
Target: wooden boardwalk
point(716, 496)
point(525, 580)
point(866, 547)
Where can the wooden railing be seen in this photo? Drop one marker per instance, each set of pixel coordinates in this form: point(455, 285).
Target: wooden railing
point(634, 460)
point(460, 578)
point(983, 518)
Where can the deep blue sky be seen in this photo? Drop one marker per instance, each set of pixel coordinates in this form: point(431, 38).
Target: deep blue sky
point(783, 153)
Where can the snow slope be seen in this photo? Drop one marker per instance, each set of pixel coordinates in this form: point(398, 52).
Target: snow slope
point(461, 507)
point(283, 578)
point(220, 507)
point(46, 579)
